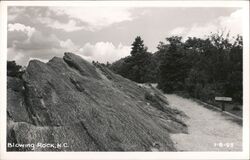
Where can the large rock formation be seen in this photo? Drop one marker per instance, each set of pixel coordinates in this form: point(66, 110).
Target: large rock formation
point(82, 107)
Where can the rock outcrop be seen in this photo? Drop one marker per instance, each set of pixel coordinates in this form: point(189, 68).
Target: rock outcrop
point(77, 106)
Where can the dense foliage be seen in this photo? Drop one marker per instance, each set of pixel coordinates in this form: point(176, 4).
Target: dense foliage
point(14, 70)
point(204, 68)
point(138, 66)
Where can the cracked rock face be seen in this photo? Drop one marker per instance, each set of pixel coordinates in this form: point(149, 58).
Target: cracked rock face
point(88, 108)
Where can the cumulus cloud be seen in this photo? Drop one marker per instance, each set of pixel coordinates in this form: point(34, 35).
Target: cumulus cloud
point(26, 43)
point(22, 28)
point(22, 57)
point(101, 51)
point(26, 38)
point(104, 51)
point(68, 44)
point(91, 18)
point(232, 24)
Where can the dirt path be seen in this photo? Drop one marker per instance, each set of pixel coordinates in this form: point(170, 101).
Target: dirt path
point(208, 130)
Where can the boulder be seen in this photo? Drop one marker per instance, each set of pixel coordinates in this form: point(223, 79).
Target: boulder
point(88, 108)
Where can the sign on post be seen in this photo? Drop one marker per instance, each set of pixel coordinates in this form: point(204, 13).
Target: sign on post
point(223, 100)
point(227, 99)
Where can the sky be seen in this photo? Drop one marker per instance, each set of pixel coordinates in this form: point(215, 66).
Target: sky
point(105, 33)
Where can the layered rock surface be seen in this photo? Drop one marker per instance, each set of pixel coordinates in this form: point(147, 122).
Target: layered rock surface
point(70, 101)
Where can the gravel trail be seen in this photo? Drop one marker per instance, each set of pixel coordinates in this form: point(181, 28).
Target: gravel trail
point(208, 130)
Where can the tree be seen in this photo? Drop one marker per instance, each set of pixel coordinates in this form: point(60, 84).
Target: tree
point(139, 67)
point(202, 67)
point(14, 70)
point(217, 69)
point(172, 70)
point(138, 47)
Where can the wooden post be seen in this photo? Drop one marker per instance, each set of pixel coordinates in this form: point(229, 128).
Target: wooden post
point(223, 106)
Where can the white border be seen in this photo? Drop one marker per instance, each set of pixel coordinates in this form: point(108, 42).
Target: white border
point(125, 155)
point(131, 3)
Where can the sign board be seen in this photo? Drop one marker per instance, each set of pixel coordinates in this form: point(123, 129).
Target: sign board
point(228, 99)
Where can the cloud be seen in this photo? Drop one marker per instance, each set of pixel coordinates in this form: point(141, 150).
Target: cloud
point(22, 28)
point(101, 51)
point(178, 31)
point(28, 38)
point(13, 54)
point(232, 24)
point(13, 12)
point(104, 51)
point(70, 26)
point(19, 33)
point(26, 43)
point(40, 59)
point(90, 18)
point(67, 44)
point(202, 30)
point(22, 57)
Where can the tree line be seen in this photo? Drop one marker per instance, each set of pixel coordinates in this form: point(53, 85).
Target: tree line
point(201, 67)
